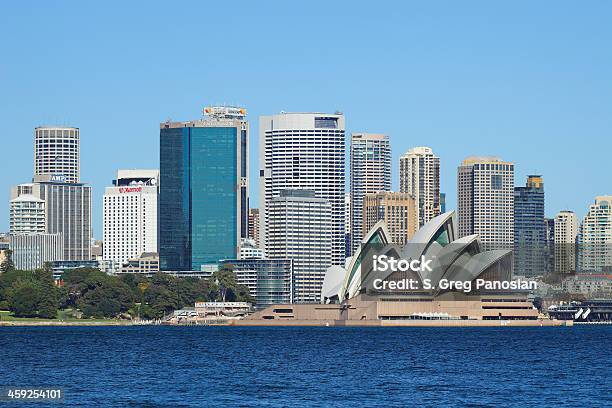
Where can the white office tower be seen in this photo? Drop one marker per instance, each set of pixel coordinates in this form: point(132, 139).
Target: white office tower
point(27, 215)
point(420, 177)
point(56, 153)
point(67, 212)
point(485, 201)
point(370, 174)
point(304, 151)
point(31, 251)
point(300, 228)
point(595, 236)
point(130, 215)
point(566, 231)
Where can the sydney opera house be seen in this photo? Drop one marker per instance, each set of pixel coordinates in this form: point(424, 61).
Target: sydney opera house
point(352, 295)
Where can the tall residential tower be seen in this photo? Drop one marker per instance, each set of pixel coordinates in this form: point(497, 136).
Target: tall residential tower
point(370, 158)
point(530, 250)
point(420, 177)
point(595, 236)
point(566, 231)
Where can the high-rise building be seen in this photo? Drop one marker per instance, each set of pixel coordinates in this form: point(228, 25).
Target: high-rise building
point(595, 236)
point(300, 228)
point(56, 153)
point(67, 212)
point(396, 209)
point(270, 281)
point(420, 177)
point(442, 203)
point(31, 251)
point(254, 227)
point(347, 224)
point(27, 215)
point(566, 231)
point(370, 156)
point(529, 228)
point(304, 151)
point(203, 189)
point(130, 215)
point(485, 201)
point(550, 244)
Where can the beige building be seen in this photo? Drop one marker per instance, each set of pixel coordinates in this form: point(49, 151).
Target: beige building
point(254, 227)
point(485, 201)
point(595, 236)
point(147, 263)
point(420, 177)
point(370, 157)
point(566, 230)
point(397, 210)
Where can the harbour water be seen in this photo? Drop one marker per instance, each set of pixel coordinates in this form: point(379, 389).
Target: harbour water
point(158, 366)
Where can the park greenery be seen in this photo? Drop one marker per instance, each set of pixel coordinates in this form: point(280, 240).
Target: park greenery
point(90, 293)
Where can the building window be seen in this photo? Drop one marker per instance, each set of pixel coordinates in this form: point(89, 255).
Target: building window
point(496, 182)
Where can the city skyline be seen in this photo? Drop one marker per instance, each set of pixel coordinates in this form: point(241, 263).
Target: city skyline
point(460, 93)
point(97, 221)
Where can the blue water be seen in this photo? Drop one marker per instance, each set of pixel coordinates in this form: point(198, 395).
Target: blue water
point(203, 366)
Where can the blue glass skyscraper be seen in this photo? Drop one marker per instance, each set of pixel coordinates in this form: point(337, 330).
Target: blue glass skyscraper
point(203, 198)
point(530, 246)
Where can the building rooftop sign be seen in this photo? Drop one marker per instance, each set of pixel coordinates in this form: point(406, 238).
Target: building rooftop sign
point(224, 112)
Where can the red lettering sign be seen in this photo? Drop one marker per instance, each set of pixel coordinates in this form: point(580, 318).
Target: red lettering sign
point(130, 189)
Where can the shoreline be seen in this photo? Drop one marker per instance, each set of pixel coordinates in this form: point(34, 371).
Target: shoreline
point(316, 323)
point(403, 323)
point(17, 323)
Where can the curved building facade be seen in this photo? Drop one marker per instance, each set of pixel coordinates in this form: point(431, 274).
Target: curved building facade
point(350, 295)
point(56, 153)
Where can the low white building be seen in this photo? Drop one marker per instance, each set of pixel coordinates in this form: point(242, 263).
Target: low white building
point(249, 250)
point(31, 251)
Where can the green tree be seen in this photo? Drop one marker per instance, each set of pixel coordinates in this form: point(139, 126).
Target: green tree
point(48, 302)
point(107, 300)
point(77, 282)
point(224, 287)
point(31, 293)
point(23, 298)
point(160, 300)
point(7, 264)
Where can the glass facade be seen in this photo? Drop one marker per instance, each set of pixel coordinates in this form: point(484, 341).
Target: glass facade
point(174, 226)
point(199, 195)
point(530, 247)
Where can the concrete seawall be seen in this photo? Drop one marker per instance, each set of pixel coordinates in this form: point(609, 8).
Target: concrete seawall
point(404, 323)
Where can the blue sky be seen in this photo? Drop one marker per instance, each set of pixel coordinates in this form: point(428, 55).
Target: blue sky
point(528, 81)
